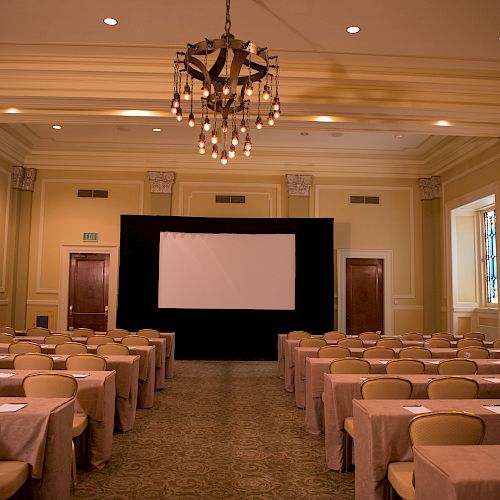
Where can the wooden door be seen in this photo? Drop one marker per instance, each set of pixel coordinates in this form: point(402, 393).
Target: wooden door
point(88, 291)
point(364, 295)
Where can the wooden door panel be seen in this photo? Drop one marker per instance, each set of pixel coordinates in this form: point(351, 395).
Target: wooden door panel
point(364, 295)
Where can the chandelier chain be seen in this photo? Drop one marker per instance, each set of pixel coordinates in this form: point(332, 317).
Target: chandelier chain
point(228, 17)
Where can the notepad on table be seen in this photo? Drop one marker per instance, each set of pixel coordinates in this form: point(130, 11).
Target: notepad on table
point(495, 380)
point(11, 407)
point(493, 408)
point(433, 361)
point(4, 356)
point(80, 375)
point(384, 361)
point(6, 375)
point(417, 409)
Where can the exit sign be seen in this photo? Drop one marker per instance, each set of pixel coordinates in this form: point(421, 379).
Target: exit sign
point(89, 236)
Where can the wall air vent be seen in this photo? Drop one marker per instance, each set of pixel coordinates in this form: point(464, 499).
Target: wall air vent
point(227, 198)
point(370, 200)
point(92, 193)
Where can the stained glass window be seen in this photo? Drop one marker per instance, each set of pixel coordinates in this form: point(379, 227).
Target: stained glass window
point(490, 257)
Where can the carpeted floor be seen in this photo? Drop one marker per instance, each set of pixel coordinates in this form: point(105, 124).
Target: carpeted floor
point(220, 430)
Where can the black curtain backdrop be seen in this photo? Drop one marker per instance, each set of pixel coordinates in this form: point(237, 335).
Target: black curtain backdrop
point(225, 334)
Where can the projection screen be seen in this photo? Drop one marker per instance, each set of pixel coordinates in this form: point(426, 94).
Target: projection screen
point(226, 271)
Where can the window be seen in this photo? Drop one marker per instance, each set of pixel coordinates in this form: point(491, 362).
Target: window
point(490, 256)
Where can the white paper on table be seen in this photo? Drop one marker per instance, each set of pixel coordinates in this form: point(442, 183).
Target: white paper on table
point(495, 380)
point(384, 361)
point(4, 356)
point(493, 408)
point(417, 409)
point(80, 375)
point(363, 378)
point(56, 357)
point(10, 407)
point(433, 361)
point(6, 375)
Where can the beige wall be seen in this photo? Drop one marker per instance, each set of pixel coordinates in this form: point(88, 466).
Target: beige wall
point(5, 228)
point(466, 258)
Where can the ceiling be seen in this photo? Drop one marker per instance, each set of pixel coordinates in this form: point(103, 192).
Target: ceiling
point(384, 89)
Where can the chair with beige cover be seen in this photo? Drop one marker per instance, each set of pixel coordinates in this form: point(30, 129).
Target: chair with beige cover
point(33, 361)
point(83, 332)
point(413, 336)
point(329, 336)
point(437, 428)
point(297, 335)
point(6, 338)
point(475, 335)
point(56, 339)
point(443, 335)
point(457, 366)
point(405, 367)
point(473, 353)
point(312, 342)
point(117, 333)
point(24, 347)
point(37, 331)
point(112, 350)
point(349, 366)
point(496, 344)
point(8, 329)
point(437, 343)
point(333, 351)
point(415, 353)
point(369, 336)
point(392, 343)
point(57, 385)
point(452, 387)
point(99, 339)
point(71, 348)
point(13, 475)
point(469, 343)
point(379, 352)
point(135, 340)
point(149, 333)
point(90, 362)
point(351, 343)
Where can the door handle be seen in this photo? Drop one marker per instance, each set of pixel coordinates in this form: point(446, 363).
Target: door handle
point(106, 310)
point(70, 310)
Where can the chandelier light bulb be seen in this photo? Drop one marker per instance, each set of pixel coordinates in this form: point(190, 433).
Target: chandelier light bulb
point(277, 114)
point(224, 125)
point(246, 152)
point(205, 92)
point(201, 141)
point(234, 139)
point(173, 108)
point(243, 126)
point(202, 151)
point(187, 92)
point(258, 123)
point(214, 139)
point(276, 104)
point(179, 114)
point(206, 124)
point(266, 94)
point(215, 151)
point(232, 151)
point(191, 120)
point(176, 102)
point(223, 157)
point(249, 89)
point(270, 119)
point(226, 89)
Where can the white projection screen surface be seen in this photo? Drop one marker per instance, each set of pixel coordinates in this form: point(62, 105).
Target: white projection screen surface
point(226, 271)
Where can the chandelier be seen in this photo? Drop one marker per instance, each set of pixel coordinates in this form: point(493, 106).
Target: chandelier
point(229, 70)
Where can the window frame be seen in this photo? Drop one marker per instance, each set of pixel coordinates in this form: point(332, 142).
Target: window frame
point(482, 259)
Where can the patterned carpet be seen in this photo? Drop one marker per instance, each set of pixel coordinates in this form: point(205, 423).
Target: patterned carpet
point(220, 430)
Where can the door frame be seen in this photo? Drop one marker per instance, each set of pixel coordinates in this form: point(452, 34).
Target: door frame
point(65, 253)
point(346, 253)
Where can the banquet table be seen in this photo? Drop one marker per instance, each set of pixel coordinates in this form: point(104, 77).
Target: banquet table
point(317, 367)
point(95, 397)
point(457, 472)
point(382, 437)
point(40, 435)
point(340, 391)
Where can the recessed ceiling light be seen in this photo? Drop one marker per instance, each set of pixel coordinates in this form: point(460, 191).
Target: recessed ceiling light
point(157, 130)
point(12, 110)
point(110, 21)
point(56, 127)
point(442, 123)
point(135, 112)
point(324, 119)
point(353, 30)
point(398, 136)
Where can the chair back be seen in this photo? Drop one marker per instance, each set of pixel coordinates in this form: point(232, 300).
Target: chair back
point(369, 336)
point(90, 362)
point(350, 343)
point(135, 340)
point(452, 388)
point(475, 335)
point(405, 367)
point(24, 347)
point(378, 353)
point(312, 342)
point(443, 335)
point(457, 366)
point(112, 350)
point(37, 331)
point(56, 339)
point(496, 344)
point(297, 335)
point(83, 332)
point(437, 343)
point(415, 353)
point(149, 333)
point(349, 365)
point(8, 329)
point(386, 388)
point(473, 353)
point(117, 333)
point(334, 336)
point(33, 361)
point(469, 343)
point(71, 348)
point(333, 351)
point(413, 336)
point(49, 385)
point(99, 339)
point(7, 338)
point(392, 343)
point(446, 428)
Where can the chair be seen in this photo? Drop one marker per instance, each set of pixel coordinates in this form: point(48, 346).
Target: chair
point(415, 353)
point(117, 333)
point(496, 344)
point(24, 347)
point(435, 428)
point(443, 335)
point(457, 367)
point(56, 339)
point(350, 343)
point(13, 475)
point(379, 353)
point(7, 338)
point(37, 331)
point(149, 333)
point(312, 342)
point(90, 362)
point(405, 367)
point(437, 343)
point(469, 343)
point(413, 336)
point(83, 332)
point(99, 339)
point(112, 350)
point(392, 343)
point(369, 336)
point(475, 335)
point(135, 340)
point(297, 335)
point(334, 336)
point(8, 329)
point(473, 353)
point(349, 366)
point(33, 361)
point(333, 351)
point(57, 385)
point(71, 348)
point(452, 388)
